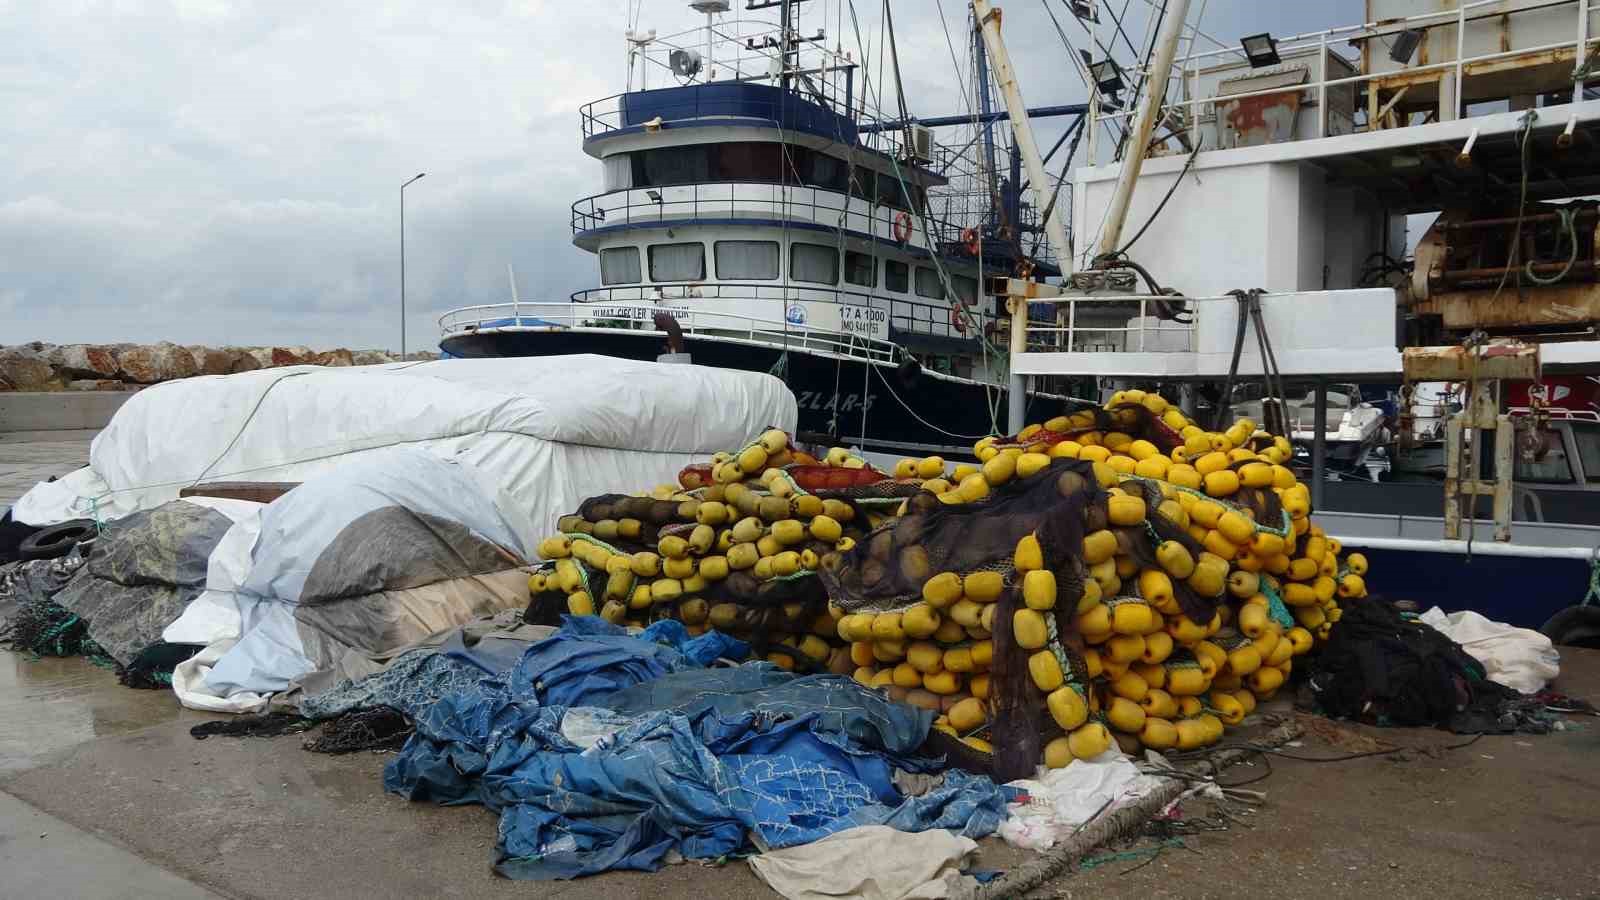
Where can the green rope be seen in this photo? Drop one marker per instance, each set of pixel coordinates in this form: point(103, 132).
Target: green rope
point(1275, 606)
point(1593, 596)
point(1094, 862)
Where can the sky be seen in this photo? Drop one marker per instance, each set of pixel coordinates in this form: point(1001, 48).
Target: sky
point(206, 171)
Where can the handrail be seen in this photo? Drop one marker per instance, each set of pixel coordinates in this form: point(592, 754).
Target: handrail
point(909, 316)
point(1188, 67)
point(1141, 333)
point(639, 317)
point(822, 206)
point(1367, 30)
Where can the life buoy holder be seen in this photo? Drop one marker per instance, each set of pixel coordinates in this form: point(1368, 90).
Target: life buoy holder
point(902, 227)
point(957, 319)
point(969, 241)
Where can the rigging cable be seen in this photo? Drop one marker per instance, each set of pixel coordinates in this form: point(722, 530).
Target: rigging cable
point(938, 263)
point(1187, 164)
point(1513, 252)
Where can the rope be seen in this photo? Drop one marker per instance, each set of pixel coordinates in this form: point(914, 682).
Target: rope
point(1117, 824)
point(1568, 220)
point(925, 422)
point(1593, 596)
point(1524, 138)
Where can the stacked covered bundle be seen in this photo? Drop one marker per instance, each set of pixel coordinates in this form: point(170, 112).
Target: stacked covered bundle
point(1119, 574)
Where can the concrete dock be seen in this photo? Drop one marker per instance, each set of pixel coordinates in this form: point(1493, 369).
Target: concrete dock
point(29, 457)
point(103, 793)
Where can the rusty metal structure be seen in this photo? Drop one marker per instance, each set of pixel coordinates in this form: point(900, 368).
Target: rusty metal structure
point(1532, 273)
point(1481, 365)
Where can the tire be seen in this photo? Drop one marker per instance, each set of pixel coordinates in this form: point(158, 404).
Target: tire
point(56, 540)
point(1575, 626)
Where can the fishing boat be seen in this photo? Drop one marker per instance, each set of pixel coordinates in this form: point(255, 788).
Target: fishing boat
point(759, 211)
point(1269, 180)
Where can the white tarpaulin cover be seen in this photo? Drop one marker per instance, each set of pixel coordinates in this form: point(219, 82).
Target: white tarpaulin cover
point(552, 431)
point(374, 557)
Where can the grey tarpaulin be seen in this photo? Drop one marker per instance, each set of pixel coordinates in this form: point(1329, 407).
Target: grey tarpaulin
point(371, 558)
point(142, 573)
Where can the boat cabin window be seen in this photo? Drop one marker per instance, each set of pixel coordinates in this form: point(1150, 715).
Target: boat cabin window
point(891, 192)
point(928, 284)
point(860, 268)
point(815, 263)
point(677, 262)
point(766, 161)
point(1551, 468)
point(619, 265)
point(821, 170)
point(863, 183)
point(966, 288)
point(670, 165)
point(1587, 437)
point(896, 276)
point(747, 259)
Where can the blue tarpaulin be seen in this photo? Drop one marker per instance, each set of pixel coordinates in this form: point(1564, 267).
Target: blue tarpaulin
point(665, 755)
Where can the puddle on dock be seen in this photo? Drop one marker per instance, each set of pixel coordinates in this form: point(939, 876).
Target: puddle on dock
point(48, 705)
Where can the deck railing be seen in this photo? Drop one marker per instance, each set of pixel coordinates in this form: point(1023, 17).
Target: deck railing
point(639, 317)
point(752, 200)
point(1451, 72)
point(1115, 323)
point(905, 316)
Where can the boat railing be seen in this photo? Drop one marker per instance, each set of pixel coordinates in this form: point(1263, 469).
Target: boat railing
point(605, 115)
point(1449, 74)
point(756, 199)
point(1115, 323)
point(1559, 413)
point(907, 316)
point(634, 316)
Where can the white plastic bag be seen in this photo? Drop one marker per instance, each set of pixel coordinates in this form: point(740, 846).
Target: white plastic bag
point(1519, 658)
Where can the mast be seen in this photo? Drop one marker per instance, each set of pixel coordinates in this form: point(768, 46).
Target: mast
point(989, 19)
point(1144, 124)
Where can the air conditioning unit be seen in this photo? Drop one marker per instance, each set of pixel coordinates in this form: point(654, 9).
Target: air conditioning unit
point(920, 138)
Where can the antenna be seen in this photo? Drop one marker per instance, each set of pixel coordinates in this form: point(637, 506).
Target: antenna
point(710, 8)
point(511, 273)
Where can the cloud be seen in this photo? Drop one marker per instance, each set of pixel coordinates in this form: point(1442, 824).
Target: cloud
point(208, 170)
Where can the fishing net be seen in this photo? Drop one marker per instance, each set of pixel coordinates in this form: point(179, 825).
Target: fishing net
point(376, 728)
point(271, 724)
point(44, 628)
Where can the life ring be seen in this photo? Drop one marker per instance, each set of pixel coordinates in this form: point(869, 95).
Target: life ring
point(902, 226)
point(969, 240)
point(957, 319)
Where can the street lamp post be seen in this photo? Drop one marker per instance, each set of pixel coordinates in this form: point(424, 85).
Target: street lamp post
point(403, 264)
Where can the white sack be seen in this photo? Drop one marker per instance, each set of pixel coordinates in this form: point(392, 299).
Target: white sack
point(1059, 800)
point(872, 862)
point(1519, 658)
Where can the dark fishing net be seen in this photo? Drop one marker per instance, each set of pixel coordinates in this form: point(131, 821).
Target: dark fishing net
point(888, 569)
point(272, 724)
point(375, 728)
point(152, 668)
point(381, 728)
point(45, 628)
